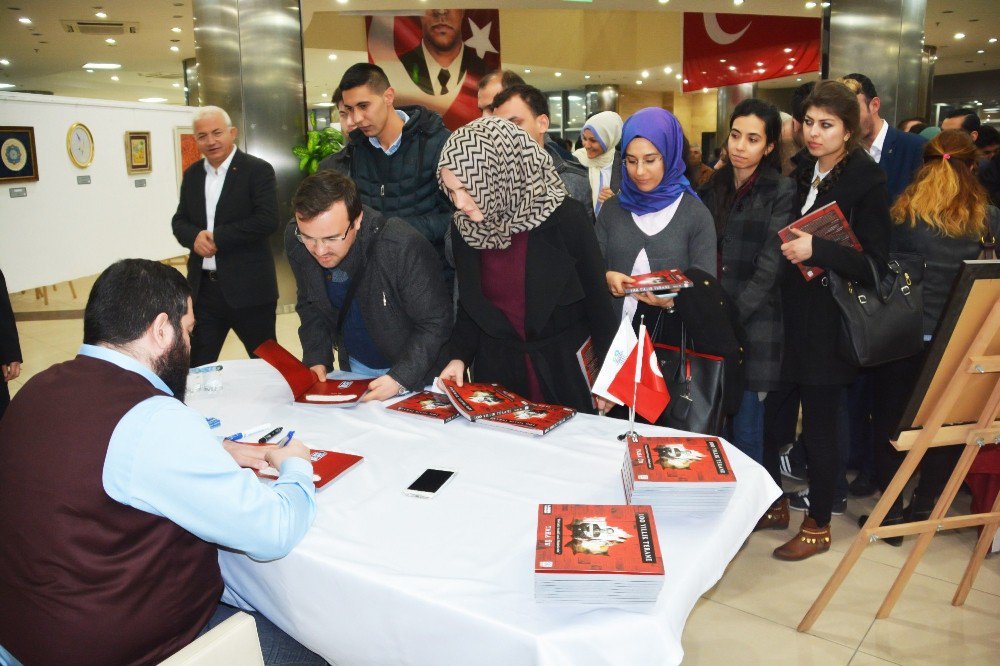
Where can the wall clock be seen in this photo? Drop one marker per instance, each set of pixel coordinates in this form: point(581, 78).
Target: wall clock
point(80, 145)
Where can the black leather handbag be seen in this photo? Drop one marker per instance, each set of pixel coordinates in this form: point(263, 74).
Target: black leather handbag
point(883, 322)
point(696, 383)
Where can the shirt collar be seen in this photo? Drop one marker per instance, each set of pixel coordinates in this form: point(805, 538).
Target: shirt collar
point(399, 139)
point(224, 167)
point(876, 150)
point(125, 362)
point(433, 68)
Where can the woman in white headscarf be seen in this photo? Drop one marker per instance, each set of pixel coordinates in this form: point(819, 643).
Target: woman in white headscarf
point(600, 137)
point(530, 272)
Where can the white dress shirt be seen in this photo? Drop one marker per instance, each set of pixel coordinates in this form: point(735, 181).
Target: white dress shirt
point(214, 179)
point(818, 177)
point(876, 150)
point(649, 224)
point(434, 70)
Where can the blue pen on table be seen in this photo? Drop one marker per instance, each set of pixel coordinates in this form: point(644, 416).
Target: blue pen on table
point(240, 435)
point(287, 439)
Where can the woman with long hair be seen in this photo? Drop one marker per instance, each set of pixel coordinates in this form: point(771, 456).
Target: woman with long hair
point(751, 201)
point(599, 153)
point(836, 169)
point(529, 269)
point(944, 216)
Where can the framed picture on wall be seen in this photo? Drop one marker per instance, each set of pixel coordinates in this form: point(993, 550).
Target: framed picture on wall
point(137, 153)
point(186, 151)
point(18, 161)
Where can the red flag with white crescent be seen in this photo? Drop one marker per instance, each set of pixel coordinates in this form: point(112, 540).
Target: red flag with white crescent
point(728, 49)
point(642, 380)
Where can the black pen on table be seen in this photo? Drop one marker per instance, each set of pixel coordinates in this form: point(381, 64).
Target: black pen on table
point(288, 438)
point(263, 440)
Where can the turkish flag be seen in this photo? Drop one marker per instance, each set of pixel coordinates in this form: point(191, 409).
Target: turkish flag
point(728, 49)
point(643, 381)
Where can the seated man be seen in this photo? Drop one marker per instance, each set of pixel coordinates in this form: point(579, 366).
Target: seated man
point(368, 286)
point(115, 496)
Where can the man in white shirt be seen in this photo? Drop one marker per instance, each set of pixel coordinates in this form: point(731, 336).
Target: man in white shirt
point(440, 63)
point(228, 208)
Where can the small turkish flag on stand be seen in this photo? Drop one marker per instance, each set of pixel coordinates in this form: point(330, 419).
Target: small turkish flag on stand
point(640, 385)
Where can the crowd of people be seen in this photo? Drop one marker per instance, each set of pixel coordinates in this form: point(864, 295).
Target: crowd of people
point(493, 254)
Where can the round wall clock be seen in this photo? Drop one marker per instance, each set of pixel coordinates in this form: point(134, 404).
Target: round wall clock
point(80, 145)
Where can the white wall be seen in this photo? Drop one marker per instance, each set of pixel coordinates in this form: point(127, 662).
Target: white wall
point(63, 230)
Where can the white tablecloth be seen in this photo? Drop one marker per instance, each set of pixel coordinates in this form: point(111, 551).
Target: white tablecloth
point(383, 578)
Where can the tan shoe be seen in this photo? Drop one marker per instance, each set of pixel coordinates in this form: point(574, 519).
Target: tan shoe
point(810, 541)
point(776, 517)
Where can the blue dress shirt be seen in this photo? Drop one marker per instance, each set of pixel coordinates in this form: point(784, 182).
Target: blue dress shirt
point(391, 150)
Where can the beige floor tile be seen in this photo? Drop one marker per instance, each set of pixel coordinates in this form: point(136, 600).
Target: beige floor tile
point(862, 659)
point(718, 634)
point(926, 629)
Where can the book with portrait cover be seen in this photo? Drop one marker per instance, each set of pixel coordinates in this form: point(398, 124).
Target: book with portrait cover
point(427, 404)
point(668, 280)
point(826, 222)
point(534, 418)
point(474, 401)
point(305, 387)
point(597, 540)
point(679, 459)
point(327, 466)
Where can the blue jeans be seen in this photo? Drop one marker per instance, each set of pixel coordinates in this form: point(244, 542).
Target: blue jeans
point(278, 648)
point(748, 426)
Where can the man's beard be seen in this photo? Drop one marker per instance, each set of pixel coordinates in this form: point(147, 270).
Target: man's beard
point(172, 366)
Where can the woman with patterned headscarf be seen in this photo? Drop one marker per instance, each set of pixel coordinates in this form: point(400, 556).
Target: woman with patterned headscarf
point(530, 273)
point(656, 222)
point(600, 137)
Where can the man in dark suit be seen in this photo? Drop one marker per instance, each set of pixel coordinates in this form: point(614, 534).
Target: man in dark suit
point(10, 349)
point(227, 211)
point(441, 61)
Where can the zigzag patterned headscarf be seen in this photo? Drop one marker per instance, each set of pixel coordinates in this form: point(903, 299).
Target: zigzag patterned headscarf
point(507, 174)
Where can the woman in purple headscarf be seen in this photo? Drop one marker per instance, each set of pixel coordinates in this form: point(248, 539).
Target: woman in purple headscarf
point(656, 221)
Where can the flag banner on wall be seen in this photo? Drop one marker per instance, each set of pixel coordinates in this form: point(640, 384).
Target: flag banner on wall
point(728, 49)
point(436, 59)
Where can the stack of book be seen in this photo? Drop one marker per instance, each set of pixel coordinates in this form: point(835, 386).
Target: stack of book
point(678, 475)
point(597, 554)
point(427, 404)
point(534, 418)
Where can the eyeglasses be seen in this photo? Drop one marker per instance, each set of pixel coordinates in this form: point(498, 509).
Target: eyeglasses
point(649, 160)
point(328, 240)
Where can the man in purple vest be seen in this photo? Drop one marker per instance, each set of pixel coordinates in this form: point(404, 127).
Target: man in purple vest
point(115, 496)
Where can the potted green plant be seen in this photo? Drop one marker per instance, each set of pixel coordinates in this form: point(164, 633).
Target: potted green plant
point(319, 144)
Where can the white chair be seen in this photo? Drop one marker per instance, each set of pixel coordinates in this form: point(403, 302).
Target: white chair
point(233, 642)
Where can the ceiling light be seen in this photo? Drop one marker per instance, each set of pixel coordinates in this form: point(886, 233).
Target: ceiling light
point(824, 4)
point(102, 65)
point(678, 77)
point(789, 66)
point(175, 29)
point(332, 56)
point(4, 62)
point(732, 68)
point(981, 51)
point(558, 73)
point(6, 85)
point(90, 71)
point(737, 2)
point(110, 40)
point(341, 2)
point(325, 105)
point(114, 78)
point(685, 80)
point(101, 15)
point(788, 50)
point(810, 5)
point(668, 70)
point(638, 82)
point(663, 2)
point(176, 85)
point(992, 40)
point(760, 64)
point(704, 90)
point(175, 49)
point(586, 76)
point(25, 20)
point(722, 60)
point(791, 60)
point(323, 95)
point(527, 71)
point(959, 35)
point(644, 74)
point(153, 100)
point(799, 78)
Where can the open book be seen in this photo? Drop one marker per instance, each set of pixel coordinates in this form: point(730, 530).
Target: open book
point(305, 387)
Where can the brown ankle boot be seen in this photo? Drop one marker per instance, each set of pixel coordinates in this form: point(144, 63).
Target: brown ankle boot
point(776, 517)
point(810, 541)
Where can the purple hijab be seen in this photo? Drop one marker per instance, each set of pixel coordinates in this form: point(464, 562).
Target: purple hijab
point(659, 127)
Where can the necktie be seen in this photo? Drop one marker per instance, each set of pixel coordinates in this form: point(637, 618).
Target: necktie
point(443, 77)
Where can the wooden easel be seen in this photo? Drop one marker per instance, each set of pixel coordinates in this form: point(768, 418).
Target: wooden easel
point(966, 376)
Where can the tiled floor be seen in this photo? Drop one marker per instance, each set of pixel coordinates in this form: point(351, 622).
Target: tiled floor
point(750, 616)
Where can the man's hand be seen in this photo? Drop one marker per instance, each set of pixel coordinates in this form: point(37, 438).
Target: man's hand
point(603, 405)
point(11, 370)
point(319, 371)
point(204, 244)
point(617, 282)
point(604, 194)
point(800, 249)
point(382, 388)
point(454, 371)
point(277, 455)
point(247, 455)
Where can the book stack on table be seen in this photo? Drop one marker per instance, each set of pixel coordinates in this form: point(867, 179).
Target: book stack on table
point(678, 475)
point(597, 554)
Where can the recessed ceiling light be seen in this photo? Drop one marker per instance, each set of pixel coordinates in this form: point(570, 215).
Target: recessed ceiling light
point(341, 2)
point(114, 78)
point(732, 68)
point(90, 71)
point(992, 40)
point(638, 82)
point(323, 95)
point(663, 2)
point(111, 41)
point(799, 78)
point(153, 100)
point(527, 71)
point(4, 62)
point(789, 66)
point(101, 15)
point(760, 64)
point(788, 50)
point(102, 65)
point(644, 74)
point(558, 73)
point(668, 70)
point(332, 56)
point(824, 4)
point(685, 80)
point(25, 20)
point(175, 49)
point(175, 29)
point(586, 76)
point(678, 77)
point(324, 104)
point(704, 90)
point(6, 85)
point(981, 51)
point(959, 35)
point(176, 85)
point(810, 5)
point(737, 2)
point(722, 60)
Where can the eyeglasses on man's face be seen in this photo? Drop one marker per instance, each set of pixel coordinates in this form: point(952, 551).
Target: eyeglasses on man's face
point(326, 240)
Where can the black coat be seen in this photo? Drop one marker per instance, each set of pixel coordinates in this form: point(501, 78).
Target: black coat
point(246, 215)
point(751, 263)
point(566, 301)
point(812, 319)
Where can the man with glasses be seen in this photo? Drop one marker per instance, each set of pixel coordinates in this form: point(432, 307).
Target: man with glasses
point(368, 286)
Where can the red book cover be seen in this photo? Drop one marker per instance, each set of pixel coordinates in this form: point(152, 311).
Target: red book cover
point(827, 222)
point(327, 466)
point(305, 387)
point(474, 401)
point(428, 404)
point(597, 539)
point(684, 459)
point(668, 280)
point(535, 418)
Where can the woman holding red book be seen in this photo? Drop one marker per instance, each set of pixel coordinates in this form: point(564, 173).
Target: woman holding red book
point(837, 169)
point(529, 269)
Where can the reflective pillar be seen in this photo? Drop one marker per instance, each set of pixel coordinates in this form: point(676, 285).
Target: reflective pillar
point(191, 89)
point(249, 55)
point(728, 98)
point(882, 39)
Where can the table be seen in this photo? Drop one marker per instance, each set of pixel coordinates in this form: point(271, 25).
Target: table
point(383, 578)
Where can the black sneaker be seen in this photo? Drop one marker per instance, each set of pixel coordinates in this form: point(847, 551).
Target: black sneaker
point(799, 501)
point(790, 468)
point(862, 486)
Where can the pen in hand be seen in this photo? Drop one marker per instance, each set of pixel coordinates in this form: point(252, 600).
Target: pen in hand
point(288, 438)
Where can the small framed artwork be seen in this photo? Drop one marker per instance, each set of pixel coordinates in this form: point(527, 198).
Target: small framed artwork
point(137, 155)
point(186, 151)
point(18, 161)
